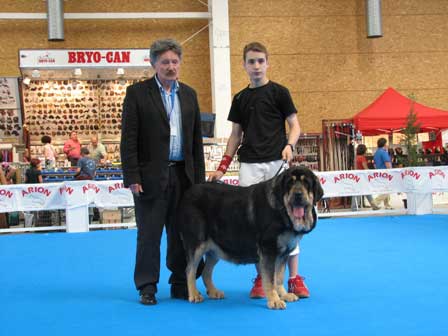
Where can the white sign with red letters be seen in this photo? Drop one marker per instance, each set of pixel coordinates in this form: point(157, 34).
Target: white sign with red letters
point(72, 58)
point(21, 197)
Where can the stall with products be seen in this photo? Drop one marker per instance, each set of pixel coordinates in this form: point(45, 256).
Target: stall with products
point(388, 115)
point(77, 90)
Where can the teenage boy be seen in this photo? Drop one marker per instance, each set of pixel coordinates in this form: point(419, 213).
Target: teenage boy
point(258, 114)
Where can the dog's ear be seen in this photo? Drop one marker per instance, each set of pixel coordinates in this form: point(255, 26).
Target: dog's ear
point(278, 190)
point(318, 192)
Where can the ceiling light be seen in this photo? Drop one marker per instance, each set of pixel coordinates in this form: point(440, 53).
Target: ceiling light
point(26, 81)
point(120, 71)
point(77, 72)
point(35, 73)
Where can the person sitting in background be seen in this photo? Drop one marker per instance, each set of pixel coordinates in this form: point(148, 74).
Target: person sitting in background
point(49, 152)
point(33, 174)
point(97, 150)
point(86, 168)
point(72, 148)
point(398, 161)
point(361, 163)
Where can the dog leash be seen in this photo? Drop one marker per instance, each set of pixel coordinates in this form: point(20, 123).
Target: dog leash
point(284, 165)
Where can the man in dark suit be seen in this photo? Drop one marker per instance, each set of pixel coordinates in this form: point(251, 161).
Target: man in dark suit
point(162, 155)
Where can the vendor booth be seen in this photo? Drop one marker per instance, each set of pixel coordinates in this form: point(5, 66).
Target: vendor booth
point(389, 112)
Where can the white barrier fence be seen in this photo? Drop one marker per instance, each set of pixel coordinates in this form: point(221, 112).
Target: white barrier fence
point(76, 196)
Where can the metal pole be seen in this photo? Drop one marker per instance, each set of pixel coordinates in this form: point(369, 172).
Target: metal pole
point(373, 18)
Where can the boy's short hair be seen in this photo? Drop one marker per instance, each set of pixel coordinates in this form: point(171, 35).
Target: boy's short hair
point(85, 151)
point(34, 162)
point(381, 142)
point(254, 46)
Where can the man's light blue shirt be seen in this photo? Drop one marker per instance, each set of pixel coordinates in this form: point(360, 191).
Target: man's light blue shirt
point(172, 108)
point(380, 158)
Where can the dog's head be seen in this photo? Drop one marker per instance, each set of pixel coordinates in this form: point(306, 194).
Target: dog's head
point(298, 190)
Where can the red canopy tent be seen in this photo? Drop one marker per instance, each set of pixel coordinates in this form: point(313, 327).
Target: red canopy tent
point(389, 112)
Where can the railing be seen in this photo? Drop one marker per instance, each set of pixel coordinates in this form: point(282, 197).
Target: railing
point(75, 197)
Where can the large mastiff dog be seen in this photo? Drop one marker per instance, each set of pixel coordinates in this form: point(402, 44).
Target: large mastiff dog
point(261, 224)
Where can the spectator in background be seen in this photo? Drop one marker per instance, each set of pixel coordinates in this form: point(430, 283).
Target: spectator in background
point(33, 174)
point(382, 160)
point(3, 221)
point(398, 160)
point(97, 150)
point(49, 152)
point(10, 173)
point(2, 173)
point(86, 168)
point(26, 156)
point(361, 163)
point(72, 148)
point(444, 156)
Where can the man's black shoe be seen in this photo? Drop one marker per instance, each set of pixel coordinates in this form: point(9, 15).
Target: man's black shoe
point(148, 299)
point(179, 292)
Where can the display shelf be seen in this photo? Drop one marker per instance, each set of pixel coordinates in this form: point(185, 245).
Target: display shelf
point(213, 153)
point(307, 152)
point(68, 174)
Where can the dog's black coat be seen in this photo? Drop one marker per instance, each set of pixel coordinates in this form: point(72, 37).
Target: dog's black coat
point(244, 224)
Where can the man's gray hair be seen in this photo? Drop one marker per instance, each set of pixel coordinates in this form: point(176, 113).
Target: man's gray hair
point(160, 46)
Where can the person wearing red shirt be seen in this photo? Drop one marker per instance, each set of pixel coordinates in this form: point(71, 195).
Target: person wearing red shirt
point(361, 163)
point(72, 148)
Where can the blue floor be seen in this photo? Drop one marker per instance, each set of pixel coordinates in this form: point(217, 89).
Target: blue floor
point(367, 276)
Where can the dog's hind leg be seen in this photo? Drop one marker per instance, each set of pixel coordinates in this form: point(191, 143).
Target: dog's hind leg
point(192, 265)
point(267, 267)
point(210, 261)
point(279, 278)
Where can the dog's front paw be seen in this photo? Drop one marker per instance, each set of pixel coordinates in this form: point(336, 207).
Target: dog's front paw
point(290, 297)
point(277, 304)
point(195, 298)
point(215, 294)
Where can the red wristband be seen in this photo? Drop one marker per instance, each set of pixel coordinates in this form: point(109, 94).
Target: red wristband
point(225, 163)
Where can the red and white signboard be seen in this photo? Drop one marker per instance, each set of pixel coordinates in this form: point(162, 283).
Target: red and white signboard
point(21, 197)
point(71, 58)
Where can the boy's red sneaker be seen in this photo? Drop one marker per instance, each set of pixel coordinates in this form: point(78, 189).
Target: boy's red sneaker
point(257, 291)
point(298, 287)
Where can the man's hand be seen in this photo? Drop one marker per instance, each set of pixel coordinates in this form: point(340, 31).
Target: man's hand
point(136, 189)
point(287, 153)
point(216, 175)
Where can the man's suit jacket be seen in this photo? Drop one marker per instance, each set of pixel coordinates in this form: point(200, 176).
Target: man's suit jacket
point(145, 137)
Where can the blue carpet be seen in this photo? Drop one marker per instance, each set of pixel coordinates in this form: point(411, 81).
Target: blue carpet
point(367, 276)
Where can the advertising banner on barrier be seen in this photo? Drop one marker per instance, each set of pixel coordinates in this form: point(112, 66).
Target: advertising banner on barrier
point(72, 194)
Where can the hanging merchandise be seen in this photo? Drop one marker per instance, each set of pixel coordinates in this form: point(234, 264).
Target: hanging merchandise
point(338, 145)
point(78, 90)
point(10, 116)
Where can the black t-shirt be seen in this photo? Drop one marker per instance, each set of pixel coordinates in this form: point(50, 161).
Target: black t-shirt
point(32, 175)
point(262, 112)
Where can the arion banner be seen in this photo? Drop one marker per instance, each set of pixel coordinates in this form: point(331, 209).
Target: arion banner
point(48, 196)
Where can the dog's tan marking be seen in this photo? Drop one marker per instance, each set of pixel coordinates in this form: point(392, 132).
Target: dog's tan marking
point(268, 280)
point(279, 281)
point(193, 294)
point(210, 261)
